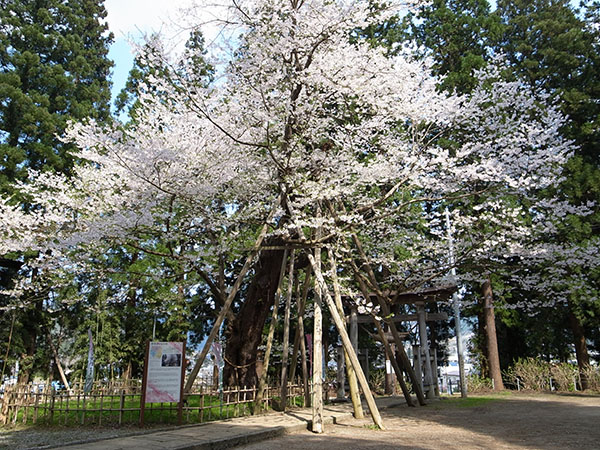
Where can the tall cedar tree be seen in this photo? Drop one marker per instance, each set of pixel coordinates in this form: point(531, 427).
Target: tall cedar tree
point(549, 46)
point(53, 68)
point(458, 36)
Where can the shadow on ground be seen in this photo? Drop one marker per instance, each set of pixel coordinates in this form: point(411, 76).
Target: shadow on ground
point(544, 421)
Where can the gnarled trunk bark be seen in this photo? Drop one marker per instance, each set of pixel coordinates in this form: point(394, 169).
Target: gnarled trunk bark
point(245, 333)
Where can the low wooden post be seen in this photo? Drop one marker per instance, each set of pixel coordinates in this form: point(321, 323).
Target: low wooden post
point(52, 400)
point(36, 406)
point(122, 406)
point(417, 363)
point(83, 409)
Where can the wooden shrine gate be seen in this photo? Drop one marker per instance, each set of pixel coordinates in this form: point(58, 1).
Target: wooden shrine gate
point(424, 361)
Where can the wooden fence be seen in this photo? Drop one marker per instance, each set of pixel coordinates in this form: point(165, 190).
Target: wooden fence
point(119, 403)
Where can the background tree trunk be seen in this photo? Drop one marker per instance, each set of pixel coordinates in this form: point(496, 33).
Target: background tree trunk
point(583, 357)
point(493, 358)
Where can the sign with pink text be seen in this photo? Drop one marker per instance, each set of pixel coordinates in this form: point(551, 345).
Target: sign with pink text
point(164, 366)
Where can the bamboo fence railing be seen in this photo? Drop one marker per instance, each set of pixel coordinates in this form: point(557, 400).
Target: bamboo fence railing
point(118, 403)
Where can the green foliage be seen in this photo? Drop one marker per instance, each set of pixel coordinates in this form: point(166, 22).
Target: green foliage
point(457, 35)
point(551, 48)
point(193, 69)
point(53, 68)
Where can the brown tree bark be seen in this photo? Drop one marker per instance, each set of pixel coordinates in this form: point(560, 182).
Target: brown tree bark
point(493, 357)
point(245, 334)
point(581, 351)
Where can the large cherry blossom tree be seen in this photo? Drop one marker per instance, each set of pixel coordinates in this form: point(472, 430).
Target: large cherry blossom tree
point(323, 137)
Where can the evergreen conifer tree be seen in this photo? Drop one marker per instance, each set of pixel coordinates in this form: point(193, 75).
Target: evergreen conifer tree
point(53, 68)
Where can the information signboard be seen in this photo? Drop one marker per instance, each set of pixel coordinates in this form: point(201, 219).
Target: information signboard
point(164, 371)
point(164, 366)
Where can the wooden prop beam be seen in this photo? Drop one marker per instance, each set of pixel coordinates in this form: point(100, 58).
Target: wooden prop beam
point(286, 333)
point(234, 290)
point(385, 309)
point(388, 350)
point(262, 382)
point(429, 317)
point(405, 362)
point(352, 381)
point(392, 358)
point(339, 323)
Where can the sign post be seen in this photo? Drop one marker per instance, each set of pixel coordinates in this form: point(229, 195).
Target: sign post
point(164, 372)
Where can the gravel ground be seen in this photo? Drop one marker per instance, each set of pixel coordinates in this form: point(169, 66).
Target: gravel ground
point(506, 422)
point(509, 421)
point(37, 437)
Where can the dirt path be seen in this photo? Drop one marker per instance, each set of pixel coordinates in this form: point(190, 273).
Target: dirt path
point(493, 422)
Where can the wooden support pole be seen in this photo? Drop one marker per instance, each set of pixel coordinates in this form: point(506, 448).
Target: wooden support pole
point(339, 323)
point(352, 381)
point(317, 379)
point(340, 378)
point(354, 328)
point(425, 351)
point(385, 310)
point(236, 286)
point(391, 355)
point(299, 338)
point(262, 382)
point(286, 333)
point(417, 358)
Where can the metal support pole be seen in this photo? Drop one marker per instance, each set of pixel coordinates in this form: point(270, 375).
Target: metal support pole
point(456, 310)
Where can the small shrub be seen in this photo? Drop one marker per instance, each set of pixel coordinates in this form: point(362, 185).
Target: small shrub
point(592, 374)
point(564, 376)
point(533, 374)
point(377, 381)
point(477, 384)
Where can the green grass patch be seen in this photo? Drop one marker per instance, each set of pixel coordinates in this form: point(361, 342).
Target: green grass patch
point(471, 401)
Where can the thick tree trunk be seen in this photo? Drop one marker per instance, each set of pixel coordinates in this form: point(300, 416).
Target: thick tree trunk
point(245, 333)
point(31, 331)
point(581, 351)
point(493, 357)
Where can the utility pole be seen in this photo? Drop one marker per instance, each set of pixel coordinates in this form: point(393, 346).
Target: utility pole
point(456, 308)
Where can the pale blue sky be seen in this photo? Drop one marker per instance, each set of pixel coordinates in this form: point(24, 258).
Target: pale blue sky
point(130, 20)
